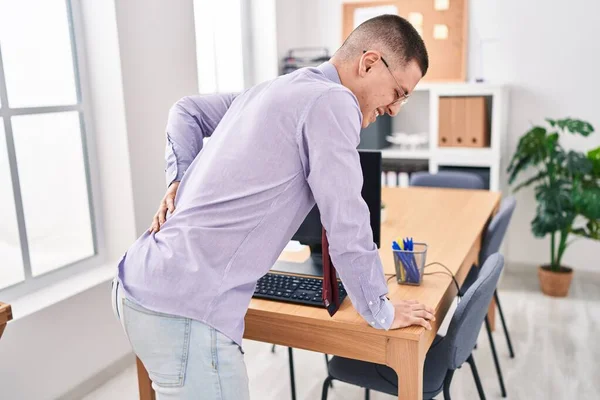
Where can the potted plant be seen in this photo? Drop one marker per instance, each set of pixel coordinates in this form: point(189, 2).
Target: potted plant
point(567, 191)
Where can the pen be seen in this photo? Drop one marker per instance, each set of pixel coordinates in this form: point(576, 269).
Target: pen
point(409, 269)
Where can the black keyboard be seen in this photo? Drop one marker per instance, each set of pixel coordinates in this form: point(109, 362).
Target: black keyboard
point(293, 289)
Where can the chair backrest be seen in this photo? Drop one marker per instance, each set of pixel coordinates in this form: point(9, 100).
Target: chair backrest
point(471, 311)
point(496, 230)
point(448, 179)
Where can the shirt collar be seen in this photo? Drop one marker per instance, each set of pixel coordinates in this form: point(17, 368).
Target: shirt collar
point(330, 72)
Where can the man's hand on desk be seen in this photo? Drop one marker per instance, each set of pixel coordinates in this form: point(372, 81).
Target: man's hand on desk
point(411, 312)
point(167, 204)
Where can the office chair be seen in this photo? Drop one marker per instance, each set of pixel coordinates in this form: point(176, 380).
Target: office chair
point(448, 179)
point(446, 354)
point(491, 241)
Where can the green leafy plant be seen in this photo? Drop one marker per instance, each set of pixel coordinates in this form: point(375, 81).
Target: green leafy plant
point(566, 184)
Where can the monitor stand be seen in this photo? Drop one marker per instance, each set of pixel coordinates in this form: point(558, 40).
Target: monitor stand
point(313, 266)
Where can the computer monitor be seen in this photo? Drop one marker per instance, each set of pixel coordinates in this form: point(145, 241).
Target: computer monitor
point(310, 232)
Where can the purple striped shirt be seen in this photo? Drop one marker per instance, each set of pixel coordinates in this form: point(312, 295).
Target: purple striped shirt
point(274, 151)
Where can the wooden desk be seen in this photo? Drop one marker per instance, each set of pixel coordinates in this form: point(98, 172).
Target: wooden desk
point(451, 222)
point(5, 316)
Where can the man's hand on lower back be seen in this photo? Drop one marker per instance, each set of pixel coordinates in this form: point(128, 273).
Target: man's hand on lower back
point(411, 312)
point(167, 204)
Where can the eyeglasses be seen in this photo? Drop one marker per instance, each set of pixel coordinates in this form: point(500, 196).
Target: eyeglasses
point(404, 97)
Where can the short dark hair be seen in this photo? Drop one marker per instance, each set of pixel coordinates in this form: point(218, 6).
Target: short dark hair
point(394, 34)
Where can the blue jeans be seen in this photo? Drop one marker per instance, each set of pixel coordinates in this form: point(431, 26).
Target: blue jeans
point(185, 359)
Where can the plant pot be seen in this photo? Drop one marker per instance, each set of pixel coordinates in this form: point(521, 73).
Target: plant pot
point(555, 284)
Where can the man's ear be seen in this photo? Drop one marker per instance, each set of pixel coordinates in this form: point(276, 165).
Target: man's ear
point(367, 60)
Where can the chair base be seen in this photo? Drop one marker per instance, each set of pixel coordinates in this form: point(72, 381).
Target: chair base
point(495, 355)
point(508, 341)
point(493, 346)
point(326, 386)
point(471, 362)
point(447, 381)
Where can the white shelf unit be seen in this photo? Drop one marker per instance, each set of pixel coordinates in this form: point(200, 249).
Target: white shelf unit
point(395, 152)
point(492, 157)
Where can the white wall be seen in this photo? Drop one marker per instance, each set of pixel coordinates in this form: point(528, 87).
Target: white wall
point(52, 351)
point(308, 23)
point(158, 60)
point(546, 51)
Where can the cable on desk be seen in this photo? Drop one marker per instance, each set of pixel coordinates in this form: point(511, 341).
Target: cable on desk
point(449, 273)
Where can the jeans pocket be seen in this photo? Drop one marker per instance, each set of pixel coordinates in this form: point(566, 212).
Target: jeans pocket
point(161, 341)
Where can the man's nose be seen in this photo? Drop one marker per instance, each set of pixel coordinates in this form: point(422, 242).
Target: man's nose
point(393, 110)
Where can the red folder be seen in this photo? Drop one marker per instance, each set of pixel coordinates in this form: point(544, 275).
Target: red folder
point(331, 295)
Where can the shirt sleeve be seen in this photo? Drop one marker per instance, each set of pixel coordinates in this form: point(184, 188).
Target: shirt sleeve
point(191, 119)
point(328, 141)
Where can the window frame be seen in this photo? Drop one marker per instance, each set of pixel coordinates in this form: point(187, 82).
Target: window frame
point(82, 106)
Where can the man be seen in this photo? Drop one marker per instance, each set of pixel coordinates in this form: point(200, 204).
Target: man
point(184, 286)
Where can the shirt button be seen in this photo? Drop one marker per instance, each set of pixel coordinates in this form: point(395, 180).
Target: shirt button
point(383, 320)
point(370, 303)
point(372, 322)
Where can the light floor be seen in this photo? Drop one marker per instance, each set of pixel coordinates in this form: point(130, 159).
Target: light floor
point(555, 341)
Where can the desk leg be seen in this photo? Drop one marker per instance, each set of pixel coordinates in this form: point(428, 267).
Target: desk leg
point(407, 357)
point(492, 308)
point(144, 382)
point(492, 314)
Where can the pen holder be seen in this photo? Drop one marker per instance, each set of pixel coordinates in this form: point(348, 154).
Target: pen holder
point(410, 264)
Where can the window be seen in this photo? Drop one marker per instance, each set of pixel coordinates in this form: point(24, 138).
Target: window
point(45, 206)
point(219, 45)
